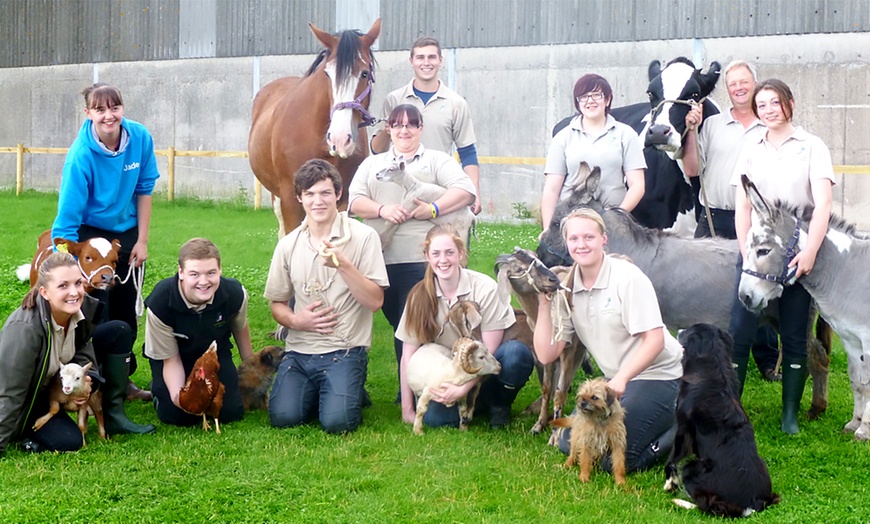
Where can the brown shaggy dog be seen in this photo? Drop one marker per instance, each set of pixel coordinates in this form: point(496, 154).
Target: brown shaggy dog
point(597, 424)
point(255, 377)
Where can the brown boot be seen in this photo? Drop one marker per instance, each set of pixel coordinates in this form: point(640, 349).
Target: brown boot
point(134, 393)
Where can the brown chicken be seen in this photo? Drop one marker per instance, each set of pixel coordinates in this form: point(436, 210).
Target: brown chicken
point(203, 393)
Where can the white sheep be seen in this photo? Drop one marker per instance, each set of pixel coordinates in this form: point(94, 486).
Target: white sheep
point(69, 389)
point(432, 364)
point(462, 219)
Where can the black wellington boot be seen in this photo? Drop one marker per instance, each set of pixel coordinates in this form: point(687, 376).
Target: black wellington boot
point(794, 378)
point(116, 370)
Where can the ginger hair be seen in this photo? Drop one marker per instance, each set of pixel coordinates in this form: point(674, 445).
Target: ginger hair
point(421, 307)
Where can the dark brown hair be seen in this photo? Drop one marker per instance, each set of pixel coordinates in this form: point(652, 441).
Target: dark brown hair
point(415, 117)
point(102, 95)
point(313, 172)
point(591, 82)
point(786, 98)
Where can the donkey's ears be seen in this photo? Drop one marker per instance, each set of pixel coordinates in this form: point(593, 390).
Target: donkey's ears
point(758, 203)
point(592, 180)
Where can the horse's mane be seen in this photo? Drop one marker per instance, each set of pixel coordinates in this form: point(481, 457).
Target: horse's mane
point(321, 56)
point(836, 222)
point(345, 57)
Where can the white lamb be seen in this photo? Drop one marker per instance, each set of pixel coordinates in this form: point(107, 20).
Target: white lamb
point(462, 219)
point(432, 364)
point(71, 391)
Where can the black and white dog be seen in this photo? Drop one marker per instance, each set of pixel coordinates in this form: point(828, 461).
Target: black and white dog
point(725, 476)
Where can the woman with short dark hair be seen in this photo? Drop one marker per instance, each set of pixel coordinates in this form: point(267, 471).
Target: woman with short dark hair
point(594, 137)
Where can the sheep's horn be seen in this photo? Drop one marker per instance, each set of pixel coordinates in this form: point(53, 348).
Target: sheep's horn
point(466, 347)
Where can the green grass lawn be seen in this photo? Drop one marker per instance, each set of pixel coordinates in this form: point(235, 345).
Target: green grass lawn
point(382, 472)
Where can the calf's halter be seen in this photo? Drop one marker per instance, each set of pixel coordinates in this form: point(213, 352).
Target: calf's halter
point(368, 119)
point(790, 252)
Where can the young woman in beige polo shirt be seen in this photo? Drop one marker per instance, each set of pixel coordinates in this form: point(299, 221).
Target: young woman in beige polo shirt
point(616, 315)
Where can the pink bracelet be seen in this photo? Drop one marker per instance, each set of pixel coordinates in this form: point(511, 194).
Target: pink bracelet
point(379, 211)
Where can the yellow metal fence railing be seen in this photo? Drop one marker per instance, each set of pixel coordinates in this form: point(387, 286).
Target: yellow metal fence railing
point(171, 153)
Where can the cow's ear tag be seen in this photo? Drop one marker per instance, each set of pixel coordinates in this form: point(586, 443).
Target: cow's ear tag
point(62, 248)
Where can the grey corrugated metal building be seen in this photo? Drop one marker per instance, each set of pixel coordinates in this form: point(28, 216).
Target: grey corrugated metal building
point(52, 32)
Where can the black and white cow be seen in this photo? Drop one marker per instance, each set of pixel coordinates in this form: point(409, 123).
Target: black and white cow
point(662, 126)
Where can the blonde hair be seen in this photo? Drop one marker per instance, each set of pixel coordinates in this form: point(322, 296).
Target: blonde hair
point(43, 275)
point(583, 212)
point(52, 262)
point(421, 306)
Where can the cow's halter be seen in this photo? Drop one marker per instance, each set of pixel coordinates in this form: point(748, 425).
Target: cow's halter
point(691, 103)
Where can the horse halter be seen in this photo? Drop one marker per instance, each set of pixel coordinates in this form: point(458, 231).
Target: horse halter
point(368, 119)
point(790, 252)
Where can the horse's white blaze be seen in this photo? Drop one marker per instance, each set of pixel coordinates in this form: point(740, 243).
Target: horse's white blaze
point(340, 135)
point(103, 246)
point(840, 240)
point(674, 79)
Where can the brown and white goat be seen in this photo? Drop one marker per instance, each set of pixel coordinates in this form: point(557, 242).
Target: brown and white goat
point(432, 364)
point(71, 389)
point(525, 275)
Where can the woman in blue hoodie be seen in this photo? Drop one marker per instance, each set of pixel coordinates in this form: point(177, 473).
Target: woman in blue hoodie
point(108, 177)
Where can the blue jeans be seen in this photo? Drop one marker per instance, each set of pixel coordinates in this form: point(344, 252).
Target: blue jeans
point(402, 278)
point(517, 363)
point(329, 385)
point(794, 312)
point(650, 424)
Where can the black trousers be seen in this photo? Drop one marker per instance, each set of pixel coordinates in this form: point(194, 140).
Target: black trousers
point(765, 348)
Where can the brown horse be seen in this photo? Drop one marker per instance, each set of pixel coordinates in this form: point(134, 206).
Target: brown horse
point(320, 115)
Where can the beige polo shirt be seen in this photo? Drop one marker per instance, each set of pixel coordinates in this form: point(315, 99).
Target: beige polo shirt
point(428, 165)
point(722, 139)
point(615, 150)
point(63, 343)
point(446, 117)
point(160, 342)
point(298, 271)
point(609, 317)
point(474, 286)
point(785, 173)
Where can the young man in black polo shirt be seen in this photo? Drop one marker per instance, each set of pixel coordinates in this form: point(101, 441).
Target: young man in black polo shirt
point(185, 313)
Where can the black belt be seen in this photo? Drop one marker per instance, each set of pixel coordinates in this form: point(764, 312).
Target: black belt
point(717, 212)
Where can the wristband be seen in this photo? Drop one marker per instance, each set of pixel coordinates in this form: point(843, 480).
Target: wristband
point(379, 211)
point(435, 210)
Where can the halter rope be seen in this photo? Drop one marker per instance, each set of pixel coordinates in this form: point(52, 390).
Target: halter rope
point(88, 277)
point(367, 118)
point(691, 104)
point(790, 253)
point(138, 274)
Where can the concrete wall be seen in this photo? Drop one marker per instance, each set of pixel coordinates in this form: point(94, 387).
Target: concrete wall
point(516, 94)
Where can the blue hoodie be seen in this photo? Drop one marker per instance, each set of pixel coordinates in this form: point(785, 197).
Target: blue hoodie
point(99, 188)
